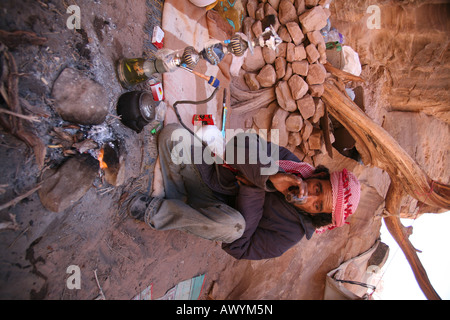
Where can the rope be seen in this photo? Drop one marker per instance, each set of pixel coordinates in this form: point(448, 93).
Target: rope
point(362, 284)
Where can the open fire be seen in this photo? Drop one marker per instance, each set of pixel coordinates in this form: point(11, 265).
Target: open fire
point(100, 157)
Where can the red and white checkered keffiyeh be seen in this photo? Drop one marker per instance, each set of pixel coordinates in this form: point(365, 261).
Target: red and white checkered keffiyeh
point(303, 168)
point(345, 187)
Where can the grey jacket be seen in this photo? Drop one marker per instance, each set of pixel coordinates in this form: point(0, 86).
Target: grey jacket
point(272, 224)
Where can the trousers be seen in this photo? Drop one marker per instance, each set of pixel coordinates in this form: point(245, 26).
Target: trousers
point(189, 204)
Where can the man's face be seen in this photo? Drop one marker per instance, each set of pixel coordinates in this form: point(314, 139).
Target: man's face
point(320, 197)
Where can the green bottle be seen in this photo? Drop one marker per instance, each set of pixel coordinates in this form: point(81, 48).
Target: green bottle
point(133, 71)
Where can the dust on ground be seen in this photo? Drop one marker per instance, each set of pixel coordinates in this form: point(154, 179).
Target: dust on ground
point(127, 255)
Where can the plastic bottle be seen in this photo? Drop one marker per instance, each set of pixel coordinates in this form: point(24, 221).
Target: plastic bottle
point(160, 114)
point(334, 36)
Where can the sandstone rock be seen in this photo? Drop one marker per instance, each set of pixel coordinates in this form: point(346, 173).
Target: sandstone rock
point(269, 9)
point(284, 96)
point(312, 53)
point(299, 53)
point(300, 67)
point(315, 37)
point(313, 19)
point(259, 14)
point(311, 3)
point(252, 6)
point(251, 81)
point(316, 90)
point(64, 186)
point(267, 76)
point(295, 32)
point(316, 74)
point(281, 50)
point(79, 99)
point(306, 106)
point(294, 122)
point(423, 137)
point(263, 118)
point(279, 123)
point(287, 12)
point(274, 3)
point(298, 87)
point(284, 34)
point(315, 139)
point(254, 62)
point(304, 147)
point(269, 55)
point(320, 110)
point(288, 73)
point(290, 52)
point(321, 47)
point(299, 154)
point(295, 138)
point(306, 130)
point(299, 6)
point(257, 28)
point(280, 67)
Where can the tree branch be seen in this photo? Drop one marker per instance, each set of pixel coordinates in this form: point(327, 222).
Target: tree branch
point(378, 148)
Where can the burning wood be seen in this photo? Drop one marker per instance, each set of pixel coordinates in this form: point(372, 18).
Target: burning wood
point(111, 162)
point(103, 164)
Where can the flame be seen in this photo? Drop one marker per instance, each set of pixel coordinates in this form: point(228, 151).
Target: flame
point(103, 164)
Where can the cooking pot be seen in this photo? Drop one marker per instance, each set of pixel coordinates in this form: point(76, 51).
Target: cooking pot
point(136, 109)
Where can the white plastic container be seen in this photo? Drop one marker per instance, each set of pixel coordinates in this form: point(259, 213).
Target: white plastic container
point(202, 3)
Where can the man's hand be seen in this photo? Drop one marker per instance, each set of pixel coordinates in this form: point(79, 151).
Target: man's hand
point(282, 182)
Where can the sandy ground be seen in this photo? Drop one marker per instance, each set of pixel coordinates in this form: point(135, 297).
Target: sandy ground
point(127, 255)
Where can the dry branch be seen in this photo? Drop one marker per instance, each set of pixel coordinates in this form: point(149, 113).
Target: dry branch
point(378, 148)
point(16, 38)
point(13, 124)
point(19, 115)
point(19, 198)
point(345, 76)
point(401, 234)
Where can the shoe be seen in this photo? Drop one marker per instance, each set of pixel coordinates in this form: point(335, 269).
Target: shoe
point(138, 205)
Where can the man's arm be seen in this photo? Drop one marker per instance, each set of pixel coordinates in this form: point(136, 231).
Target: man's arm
point(256, 243)
point(256, 159)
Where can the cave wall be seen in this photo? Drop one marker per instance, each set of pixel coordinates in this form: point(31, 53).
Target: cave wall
point(406, 67)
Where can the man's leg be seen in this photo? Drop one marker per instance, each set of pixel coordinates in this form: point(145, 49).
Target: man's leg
point(189, 204)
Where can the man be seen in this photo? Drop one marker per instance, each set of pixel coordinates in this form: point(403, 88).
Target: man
point(236, 204)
